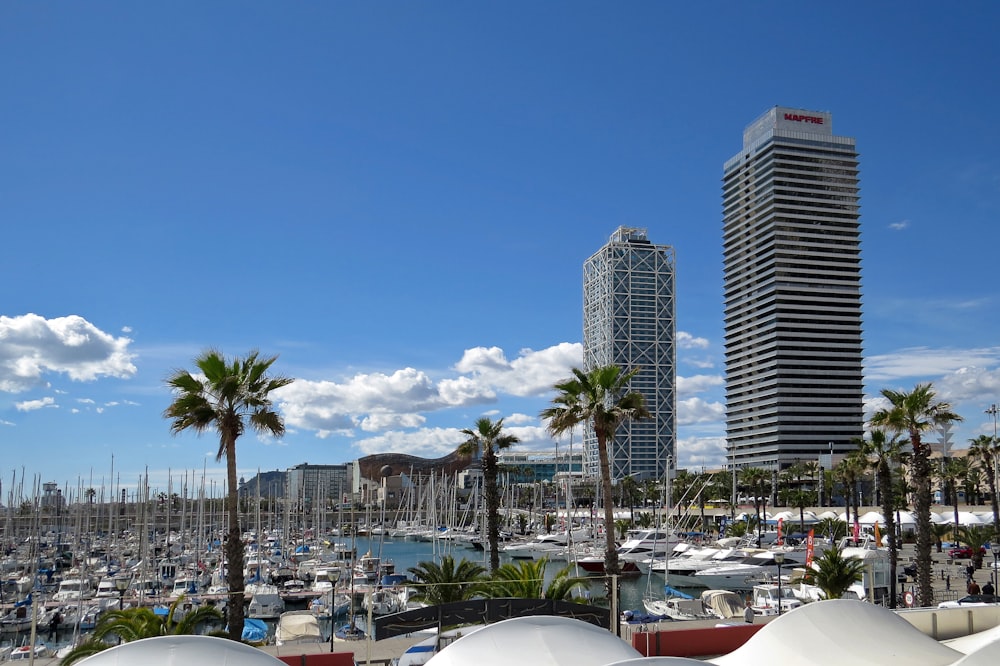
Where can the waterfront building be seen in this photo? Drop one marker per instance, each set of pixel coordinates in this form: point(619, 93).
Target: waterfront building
point(317, 485)
point(792, 279)
point(629, 321)
point(536, 466)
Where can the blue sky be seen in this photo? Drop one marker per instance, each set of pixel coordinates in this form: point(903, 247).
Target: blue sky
point(396, 198)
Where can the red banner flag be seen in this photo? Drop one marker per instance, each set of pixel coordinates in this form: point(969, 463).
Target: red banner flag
point(809, 548)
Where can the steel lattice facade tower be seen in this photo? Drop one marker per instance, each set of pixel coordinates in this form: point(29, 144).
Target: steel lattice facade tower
point(628, 320)
point(792, 270)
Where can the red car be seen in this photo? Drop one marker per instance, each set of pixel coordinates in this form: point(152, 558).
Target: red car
point(963, 552)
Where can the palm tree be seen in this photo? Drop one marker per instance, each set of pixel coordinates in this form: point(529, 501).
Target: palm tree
point(834, 528)
point(755, 478)
point(951, 473)
point(628, 488)
point(227, 396)
point(601, 398)
point(975, 537)
point(882, 452)
point(834, 574)
point(133, 624)
point(446, 582)
point(913, 414)
point(486, 440)
point(850, 471)
point(984, 449)
point(521, 580)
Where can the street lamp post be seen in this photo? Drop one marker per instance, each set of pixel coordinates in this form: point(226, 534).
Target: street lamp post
point(779, 559)
point(121, 584)
point(995, 547)
point(993, 411)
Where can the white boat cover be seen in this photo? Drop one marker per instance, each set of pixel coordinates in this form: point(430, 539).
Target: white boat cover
point(182, 651)
point(297, 627)
point(838, 632)
point(540, 640)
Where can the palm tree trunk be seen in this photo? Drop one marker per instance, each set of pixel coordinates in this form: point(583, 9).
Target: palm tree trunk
point(492, 494)
point(885, 490)
point(922, 504)
point(610, 548)
point(991, 470)
point(234, 549)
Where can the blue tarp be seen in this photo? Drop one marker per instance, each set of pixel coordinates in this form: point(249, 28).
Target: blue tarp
point(674, 592)
point(254, 630)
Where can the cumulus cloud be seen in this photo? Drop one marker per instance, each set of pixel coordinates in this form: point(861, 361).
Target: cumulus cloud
point(687, 341)
point(34, 347)
point(696, 410)
point(918, 362)
point(532, 373)
point(697, 384)
point(899, 226)
point(397, 402)
point(697, 452)
point(32, 405)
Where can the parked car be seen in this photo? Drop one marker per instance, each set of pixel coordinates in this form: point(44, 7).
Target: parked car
point(971, 600)
point(963, 552)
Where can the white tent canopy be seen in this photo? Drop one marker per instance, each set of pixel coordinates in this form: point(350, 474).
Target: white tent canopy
point(840, 631)
point(541, 640)
point(182, 651)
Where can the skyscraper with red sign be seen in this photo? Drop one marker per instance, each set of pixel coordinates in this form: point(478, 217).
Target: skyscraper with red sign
point(792, 272)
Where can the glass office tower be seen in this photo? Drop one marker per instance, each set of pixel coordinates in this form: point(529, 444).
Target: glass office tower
point(628, 320)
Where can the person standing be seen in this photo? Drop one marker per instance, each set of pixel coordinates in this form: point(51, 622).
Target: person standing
point(54, 625)
point(748, 614)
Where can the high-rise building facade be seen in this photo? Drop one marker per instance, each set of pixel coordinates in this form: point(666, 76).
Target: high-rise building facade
point(792, 272)
point(628, 321)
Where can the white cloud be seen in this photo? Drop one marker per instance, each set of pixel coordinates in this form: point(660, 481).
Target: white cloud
point(532, 373)
point(697, 383)
point(696, 410)
point(32, 405)
point(379, 402)
point(6, 423)
point(35, 346)
point(696, 452)
point(687, 341)
point(899, 226)
point(923, 362)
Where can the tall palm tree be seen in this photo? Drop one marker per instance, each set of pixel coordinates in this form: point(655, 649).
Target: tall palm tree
point(755, 479)
point(486, 440)
point(443, 583)
point(882, 452)
point(228, 396)
point(850, 471)
point(913, 414)
point(600, 398)
point(951, 473)
point(628, 488)
point(985, 449)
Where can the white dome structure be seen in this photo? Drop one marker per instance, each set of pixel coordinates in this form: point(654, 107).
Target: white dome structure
point(840, 631)
point(539, 640)
point(182, 651)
